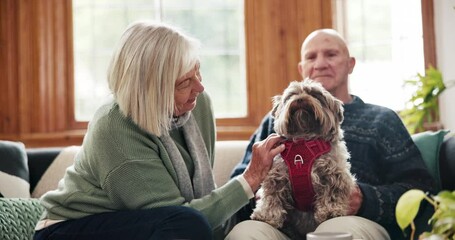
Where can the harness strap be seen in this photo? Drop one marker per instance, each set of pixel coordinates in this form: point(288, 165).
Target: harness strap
point(299, 156)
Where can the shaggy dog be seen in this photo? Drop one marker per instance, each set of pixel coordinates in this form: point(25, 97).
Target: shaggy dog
point(306, 113)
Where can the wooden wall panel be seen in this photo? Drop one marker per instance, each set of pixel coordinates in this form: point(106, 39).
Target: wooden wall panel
point(28, 65)
point(429, 39)
point(35, 81)
point(9, 122)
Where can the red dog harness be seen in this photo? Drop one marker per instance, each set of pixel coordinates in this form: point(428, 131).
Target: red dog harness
point(299, 157)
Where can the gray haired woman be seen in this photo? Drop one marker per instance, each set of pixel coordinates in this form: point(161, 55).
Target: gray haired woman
point(145, 167)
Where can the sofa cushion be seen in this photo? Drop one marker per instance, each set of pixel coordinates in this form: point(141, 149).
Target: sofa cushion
point(18, 217)
point(14, 174)
point(39, 159)
point(429, 144)
point(227, 155)
point(53, 174)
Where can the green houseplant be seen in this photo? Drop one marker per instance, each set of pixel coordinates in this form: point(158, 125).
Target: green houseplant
point(422, 107)
point(442, 221)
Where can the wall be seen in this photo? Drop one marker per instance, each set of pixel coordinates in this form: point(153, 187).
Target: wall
point(444, 13)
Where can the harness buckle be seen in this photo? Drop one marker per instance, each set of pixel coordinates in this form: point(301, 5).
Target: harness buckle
point(298, 160)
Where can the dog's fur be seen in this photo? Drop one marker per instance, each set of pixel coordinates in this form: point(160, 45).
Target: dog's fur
point(306, 110)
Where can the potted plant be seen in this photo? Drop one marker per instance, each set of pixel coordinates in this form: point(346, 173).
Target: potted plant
point(443, 220)
point(422, 108)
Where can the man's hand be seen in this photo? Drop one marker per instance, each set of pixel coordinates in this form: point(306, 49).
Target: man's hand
point(356, 200)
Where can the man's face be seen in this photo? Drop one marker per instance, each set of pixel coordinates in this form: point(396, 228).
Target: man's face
point(325, 59)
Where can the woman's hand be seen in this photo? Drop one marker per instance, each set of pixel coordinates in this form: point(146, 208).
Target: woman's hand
point(262, 160)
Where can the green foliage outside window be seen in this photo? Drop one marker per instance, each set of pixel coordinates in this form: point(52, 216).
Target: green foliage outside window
point(423, 106)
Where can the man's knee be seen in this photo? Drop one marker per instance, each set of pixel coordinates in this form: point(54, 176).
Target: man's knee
point(360, 228)
point(255, 230)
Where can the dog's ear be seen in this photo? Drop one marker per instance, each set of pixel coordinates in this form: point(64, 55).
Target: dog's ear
point(334, 104)
point(276, 100)
point(340, 110)
point(337, 107)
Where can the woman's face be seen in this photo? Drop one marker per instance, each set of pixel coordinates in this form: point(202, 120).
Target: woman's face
point(187, 88)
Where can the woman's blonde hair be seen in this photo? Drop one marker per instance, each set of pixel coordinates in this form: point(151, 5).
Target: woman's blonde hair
point(143, 71)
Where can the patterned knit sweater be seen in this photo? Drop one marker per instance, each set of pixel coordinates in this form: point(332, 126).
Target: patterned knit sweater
point(121, 167)
point(384, 159)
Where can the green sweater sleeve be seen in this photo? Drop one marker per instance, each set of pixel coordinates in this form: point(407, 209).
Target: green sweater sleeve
point(130, 189)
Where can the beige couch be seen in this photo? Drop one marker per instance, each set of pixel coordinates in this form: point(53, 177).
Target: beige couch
point(18, 214)
point(47, 166)
point(227, 155)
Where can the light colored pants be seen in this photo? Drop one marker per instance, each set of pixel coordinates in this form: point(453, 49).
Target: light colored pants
point(360, 228)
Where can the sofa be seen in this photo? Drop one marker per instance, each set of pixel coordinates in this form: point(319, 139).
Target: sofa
point(44, 167)
point(38, 170)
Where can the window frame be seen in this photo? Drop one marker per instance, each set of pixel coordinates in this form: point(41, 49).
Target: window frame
point(36, 46)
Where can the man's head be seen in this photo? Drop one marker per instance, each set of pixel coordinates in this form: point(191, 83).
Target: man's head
point(325, 58)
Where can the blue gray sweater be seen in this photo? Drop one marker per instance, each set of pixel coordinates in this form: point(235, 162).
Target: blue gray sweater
point(384, 159)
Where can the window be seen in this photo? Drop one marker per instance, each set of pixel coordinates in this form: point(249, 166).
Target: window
point(38, 96)
point(218, 24)
point(387, 44)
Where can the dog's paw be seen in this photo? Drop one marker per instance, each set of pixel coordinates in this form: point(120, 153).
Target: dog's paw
point(329, 211)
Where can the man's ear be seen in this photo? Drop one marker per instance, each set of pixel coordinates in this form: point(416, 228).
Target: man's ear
point(351, 64)
point(300, 68)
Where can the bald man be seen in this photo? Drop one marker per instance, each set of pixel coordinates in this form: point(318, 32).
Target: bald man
point(384, 158)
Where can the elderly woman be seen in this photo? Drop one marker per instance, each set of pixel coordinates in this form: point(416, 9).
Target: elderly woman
point(145, 167)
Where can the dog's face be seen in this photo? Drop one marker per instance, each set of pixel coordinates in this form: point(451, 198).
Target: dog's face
point(307, 110)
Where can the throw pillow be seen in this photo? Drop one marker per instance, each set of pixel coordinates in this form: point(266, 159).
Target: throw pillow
point(56, 171)
point(14, 175)
point(429, 144)
point(18, 217)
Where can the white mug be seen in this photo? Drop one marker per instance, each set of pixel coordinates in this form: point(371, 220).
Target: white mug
point(329, 235)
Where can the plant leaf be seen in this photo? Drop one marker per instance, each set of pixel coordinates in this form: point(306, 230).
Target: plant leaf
point(446, 200)
point(423, 101)
point(444, 225)
point(407, 207)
